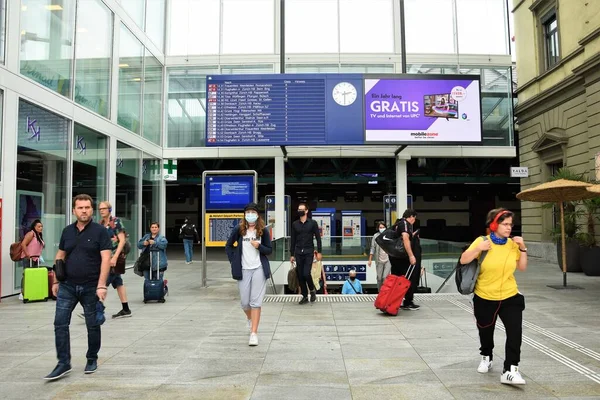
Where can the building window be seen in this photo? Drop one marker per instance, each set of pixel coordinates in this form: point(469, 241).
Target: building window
point(550, 32)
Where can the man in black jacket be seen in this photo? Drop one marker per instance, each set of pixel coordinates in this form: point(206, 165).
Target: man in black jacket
point(302, 250)
point(400, 266)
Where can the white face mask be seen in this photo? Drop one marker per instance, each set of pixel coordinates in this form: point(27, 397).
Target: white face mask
point(381, 230)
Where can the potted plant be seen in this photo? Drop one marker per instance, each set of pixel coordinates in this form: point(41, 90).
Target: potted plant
point(573, 213)
point(591, 253)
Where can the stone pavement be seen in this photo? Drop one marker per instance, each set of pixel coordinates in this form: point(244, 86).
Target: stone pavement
point(195, 346)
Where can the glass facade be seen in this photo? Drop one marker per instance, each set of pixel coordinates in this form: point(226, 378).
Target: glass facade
point(135, 9)
point(47, 32)
point(185, 29)
point(90, 155)
point(256, 18)
point(2, 29)
point(93, 56)
point(127, 204)
point(186, 108)
point(151, 179)
point(42, 168)
point(155, 22)
point(153, 85)
point(131, 70)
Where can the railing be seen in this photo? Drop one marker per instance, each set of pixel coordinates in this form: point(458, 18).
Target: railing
point(439, 257)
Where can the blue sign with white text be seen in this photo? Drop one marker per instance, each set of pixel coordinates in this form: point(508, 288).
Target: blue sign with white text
point(229, 192)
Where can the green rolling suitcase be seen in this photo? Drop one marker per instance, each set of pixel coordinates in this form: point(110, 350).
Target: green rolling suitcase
point(35, 284)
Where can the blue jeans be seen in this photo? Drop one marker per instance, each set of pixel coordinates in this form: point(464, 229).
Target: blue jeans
point(188, 247)
point(68, 297)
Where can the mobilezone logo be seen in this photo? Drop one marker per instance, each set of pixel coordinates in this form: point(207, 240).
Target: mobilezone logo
point(438, 108)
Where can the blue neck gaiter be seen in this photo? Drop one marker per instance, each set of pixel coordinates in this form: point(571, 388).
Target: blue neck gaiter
point(497, 240)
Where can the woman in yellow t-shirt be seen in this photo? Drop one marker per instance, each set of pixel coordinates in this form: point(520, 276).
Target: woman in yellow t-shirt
point(496, 293)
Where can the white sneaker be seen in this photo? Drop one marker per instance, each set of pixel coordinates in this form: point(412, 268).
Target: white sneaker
point(249, 324)
point(485, 365)
point(512, 377)
point(253, 340)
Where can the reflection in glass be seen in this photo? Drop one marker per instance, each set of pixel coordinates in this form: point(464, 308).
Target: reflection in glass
point(128, 196)
point(131, 53)
point(47, 43)
point(42, 148)
point(90, 153)
point(311, 26)
point(248, 26)
point(185, 31)
point(151, 180)
point(357, 21)
point(186, 106)
point(429, 26)
point(153, 73)
point(477, 16)
point(93, 56)
point(155, 22)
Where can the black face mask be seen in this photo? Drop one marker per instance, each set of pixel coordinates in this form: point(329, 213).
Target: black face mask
point(352, 278)
point(301, 213)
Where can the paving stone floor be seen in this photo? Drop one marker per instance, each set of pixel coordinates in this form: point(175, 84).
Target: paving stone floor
point(195, 346)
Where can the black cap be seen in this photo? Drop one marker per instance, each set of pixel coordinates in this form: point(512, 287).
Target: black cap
point(251, 206)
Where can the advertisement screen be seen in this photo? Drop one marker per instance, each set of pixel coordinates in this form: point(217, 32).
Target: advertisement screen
point(427, 109)
point(229, 192)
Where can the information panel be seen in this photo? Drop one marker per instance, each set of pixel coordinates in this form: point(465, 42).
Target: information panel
point(229, 192)
point(280, 110)
point(417, 108)
point(218, 227)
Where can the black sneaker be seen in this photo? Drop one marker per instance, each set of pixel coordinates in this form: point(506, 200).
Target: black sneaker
point(90, 367)
point(411, 306)
point(122, 314)
point(58, 372)
point(313, 296)
point(303, 301)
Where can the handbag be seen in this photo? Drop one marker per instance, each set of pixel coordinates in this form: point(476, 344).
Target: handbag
point(60, 270)
point(143, 262)
point(119, 267)
point(293, 283)
point(391, 243)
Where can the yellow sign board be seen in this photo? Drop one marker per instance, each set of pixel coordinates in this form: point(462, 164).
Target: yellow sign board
point(218, 227)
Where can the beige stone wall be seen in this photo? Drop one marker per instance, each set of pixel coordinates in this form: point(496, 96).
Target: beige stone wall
point(563, 103)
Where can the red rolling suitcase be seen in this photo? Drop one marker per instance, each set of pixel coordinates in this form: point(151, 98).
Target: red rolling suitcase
point(392, 292)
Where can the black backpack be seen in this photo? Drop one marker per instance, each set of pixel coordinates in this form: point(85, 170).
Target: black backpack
point(189, 230)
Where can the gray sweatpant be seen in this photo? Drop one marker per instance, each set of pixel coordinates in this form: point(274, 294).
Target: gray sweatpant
point(383, 270)
point(252, 288)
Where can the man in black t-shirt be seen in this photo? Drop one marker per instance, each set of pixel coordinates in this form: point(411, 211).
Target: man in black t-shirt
point(400, 266)
point(85, 247)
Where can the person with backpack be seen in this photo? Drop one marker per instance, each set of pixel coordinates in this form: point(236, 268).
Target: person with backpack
point(189, 233)
point(401, 265)
point(117, 235)
point(250, 265)
point(496, 293)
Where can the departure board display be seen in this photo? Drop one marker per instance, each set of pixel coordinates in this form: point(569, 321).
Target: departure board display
point(291, 109)
point(229, 192)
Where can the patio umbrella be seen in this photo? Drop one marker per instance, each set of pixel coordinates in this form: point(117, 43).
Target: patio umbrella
point(559, 191)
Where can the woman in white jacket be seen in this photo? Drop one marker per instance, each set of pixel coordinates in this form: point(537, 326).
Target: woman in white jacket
point(382, 261)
